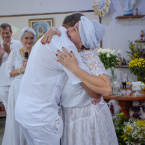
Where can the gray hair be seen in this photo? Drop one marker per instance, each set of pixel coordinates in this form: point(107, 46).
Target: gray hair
point(26, 30)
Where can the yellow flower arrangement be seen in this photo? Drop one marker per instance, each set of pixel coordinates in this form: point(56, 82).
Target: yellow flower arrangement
point(134, 132)
point(135, 50)
point(137, 63)
point(137, 66)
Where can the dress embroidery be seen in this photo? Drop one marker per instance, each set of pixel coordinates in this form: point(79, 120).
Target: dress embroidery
point(93, 62)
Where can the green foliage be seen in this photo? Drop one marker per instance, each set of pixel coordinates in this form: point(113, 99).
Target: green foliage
point(119, 126)
point(135, 50)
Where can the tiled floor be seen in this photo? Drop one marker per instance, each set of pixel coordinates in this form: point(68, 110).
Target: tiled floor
point(2, 126)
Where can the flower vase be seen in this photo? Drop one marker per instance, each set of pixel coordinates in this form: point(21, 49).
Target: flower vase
point(115, 84)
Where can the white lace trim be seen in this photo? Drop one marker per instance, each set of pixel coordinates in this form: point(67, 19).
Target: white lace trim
point(93, 62)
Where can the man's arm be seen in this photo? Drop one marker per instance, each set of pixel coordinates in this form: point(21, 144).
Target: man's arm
point(1, 54)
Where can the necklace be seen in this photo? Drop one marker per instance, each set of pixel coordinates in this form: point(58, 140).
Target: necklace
point(22, 53)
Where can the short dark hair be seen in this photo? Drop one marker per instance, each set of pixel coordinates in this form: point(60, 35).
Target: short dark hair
point(72, 19)
point(5, 25)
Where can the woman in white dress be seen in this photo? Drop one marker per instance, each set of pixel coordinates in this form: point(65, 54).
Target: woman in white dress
point(15, 67)
point(84, 122)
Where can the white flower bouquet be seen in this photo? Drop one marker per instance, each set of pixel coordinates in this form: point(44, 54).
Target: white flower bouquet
point(108, 57)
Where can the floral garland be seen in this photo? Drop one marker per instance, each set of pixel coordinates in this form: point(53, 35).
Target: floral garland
point(101, 7)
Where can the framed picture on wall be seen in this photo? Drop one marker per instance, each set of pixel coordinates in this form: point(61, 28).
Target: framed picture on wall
point(41, 26)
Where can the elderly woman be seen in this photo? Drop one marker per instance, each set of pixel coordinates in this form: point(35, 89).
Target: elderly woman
point(15, 67)
point(84, 122)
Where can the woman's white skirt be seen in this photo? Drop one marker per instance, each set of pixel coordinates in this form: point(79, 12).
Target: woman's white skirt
point(13, 135)
point(89, 125)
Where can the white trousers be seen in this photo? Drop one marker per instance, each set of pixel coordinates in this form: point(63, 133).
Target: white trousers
point(4, 92)
point(48, 135)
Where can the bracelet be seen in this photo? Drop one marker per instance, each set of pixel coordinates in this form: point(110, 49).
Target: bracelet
point(19, 70)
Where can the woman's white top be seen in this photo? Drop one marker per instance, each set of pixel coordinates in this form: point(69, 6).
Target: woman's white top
point(15, 61)
point(76, 96)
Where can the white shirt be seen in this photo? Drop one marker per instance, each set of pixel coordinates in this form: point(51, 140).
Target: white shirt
point(4, 80)
point(43, 81)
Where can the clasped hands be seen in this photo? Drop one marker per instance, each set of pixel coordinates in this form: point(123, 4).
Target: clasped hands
point(6, 48)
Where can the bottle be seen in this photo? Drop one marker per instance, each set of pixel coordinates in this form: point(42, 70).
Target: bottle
point(112, 109)
point(124, 80)
point(127, 85)
point(123, 85)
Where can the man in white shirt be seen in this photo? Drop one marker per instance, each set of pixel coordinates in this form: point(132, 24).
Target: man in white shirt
point(41, 87)
point(6, 46)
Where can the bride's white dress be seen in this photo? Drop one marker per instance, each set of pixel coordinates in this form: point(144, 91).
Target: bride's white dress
point(13, 134)
point(88, 124)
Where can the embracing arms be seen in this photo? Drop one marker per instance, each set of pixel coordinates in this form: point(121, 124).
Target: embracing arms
point(99, 84)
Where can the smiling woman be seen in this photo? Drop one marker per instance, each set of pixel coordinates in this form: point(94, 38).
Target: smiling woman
point(15, 67)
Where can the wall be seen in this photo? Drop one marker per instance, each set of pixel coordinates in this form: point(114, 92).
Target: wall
point(118, 32)
point(22, 21)
point(15, 7)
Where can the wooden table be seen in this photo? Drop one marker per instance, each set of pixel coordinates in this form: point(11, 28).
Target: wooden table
point(125, 102)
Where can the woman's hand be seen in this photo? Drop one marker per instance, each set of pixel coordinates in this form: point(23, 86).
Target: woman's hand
point(96, 101)
point(49, 34)
point(67, 60)
point(25, 62)
point(22, 69)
